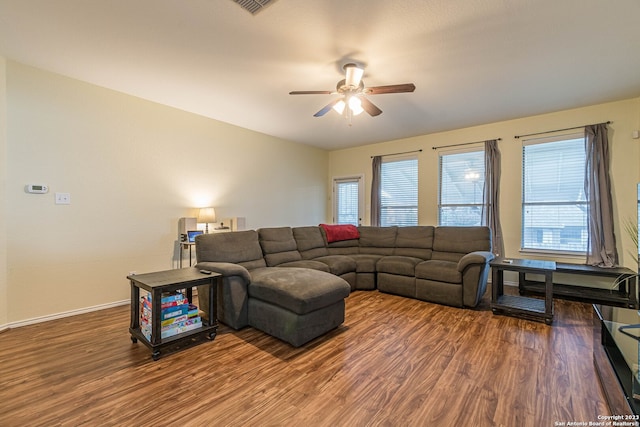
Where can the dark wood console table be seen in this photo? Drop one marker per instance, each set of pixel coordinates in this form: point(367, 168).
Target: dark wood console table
point(530, 308)
point(623, 296)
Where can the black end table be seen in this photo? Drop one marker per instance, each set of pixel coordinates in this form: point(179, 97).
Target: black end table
point(616, 353)
point(515, 305)
point(169, 281)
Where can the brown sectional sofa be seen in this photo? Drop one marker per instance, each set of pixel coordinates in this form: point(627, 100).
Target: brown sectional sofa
point(291, 282)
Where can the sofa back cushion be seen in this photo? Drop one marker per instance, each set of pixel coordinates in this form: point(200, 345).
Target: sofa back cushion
point(344, 247)
point(341, 247)
point(278, 245)
point(310, 242)
point(377, 240)
point(239, 247)
point(416, 242)
point(452, 243)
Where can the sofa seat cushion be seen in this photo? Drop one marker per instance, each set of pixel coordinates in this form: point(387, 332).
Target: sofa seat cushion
point(300, 290)
point(307, 263)
point(338, 264)
point(439, 271)
point(365, 263)
point(398, 265)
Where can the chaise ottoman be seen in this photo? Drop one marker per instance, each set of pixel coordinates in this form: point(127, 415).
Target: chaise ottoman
point(294, 304)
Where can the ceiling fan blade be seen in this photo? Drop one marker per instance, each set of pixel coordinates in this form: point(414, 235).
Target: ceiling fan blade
point(310, 92)
point(376, 90)
point(369, 107)
point(327, 108)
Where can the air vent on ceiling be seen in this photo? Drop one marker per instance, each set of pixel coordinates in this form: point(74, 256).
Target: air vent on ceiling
point(254, 6)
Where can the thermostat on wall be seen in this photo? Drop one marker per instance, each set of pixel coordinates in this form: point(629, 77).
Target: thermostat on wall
point(37, 188)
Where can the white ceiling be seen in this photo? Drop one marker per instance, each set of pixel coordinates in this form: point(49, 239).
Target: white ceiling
point(472, 61)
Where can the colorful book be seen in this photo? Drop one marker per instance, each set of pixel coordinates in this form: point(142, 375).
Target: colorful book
point(177, 316)
point(197, 323)
point(175, 320)
point(172, 297)
point(174, 303)
point(176, 311)
point(193, 312)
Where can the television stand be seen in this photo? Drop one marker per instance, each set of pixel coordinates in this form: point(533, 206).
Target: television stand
point(615, 357)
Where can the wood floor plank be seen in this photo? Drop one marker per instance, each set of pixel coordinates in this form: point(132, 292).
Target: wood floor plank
point(394, 362)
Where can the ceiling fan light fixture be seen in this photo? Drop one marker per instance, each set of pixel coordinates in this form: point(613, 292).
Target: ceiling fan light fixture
point(339, 107)
point(355, 105)
point(353, 75)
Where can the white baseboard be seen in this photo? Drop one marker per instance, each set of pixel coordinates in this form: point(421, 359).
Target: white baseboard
point(64, 314)
point(85, 310)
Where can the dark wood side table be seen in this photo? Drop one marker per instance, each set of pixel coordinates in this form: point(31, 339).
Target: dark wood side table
point(169, 281)
point(529, 308)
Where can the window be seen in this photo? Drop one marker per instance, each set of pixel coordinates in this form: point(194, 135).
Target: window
point(399, 192)
point(554, 205)
point(461, 188)
point(348, 200)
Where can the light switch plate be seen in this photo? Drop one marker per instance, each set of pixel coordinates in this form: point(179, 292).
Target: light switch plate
point(63, 198)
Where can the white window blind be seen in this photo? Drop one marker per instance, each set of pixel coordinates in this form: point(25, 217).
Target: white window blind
point(399, 192)
point(554, 206)
point(347, 202)
point(461, 188)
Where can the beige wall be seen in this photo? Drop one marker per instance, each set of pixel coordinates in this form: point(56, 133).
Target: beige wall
point(625, 166)
point(4, 305)
point(132, 168)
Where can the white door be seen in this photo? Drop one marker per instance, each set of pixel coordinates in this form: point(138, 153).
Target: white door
point(348, 200)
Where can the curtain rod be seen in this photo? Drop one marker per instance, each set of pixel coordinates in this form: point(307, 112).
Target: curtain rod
point(464, 143)
point(559, 130)
point(396, 154)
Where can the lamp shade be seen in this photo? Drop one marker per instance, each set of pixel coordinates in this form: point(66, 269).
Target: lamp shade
point(206, 215)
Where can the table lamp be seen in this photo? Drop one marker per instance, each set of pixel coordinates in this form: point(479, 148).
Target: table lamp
point(206, 215)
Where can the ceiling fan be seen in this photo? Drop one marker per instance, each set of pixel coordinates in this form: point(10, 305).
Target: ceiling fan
point(352, 90)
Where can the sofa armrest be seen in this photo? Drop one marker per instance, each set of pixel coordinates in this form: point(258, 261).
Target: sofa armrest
point(477, 257)
point(226, 269)
point(233, 295)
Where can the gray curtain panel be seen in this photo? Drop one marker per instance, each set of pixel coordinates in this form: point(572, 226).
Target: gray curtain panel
point(491, 195)
point(376, 163)
point(601, 250)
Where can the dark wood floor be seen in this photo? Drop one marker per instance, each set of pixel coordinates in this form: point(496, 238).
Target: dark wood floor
point(394, 362)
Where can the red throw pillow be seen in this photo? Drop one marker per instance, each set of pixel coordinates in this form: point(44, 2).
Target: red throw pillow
point(336, 233)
